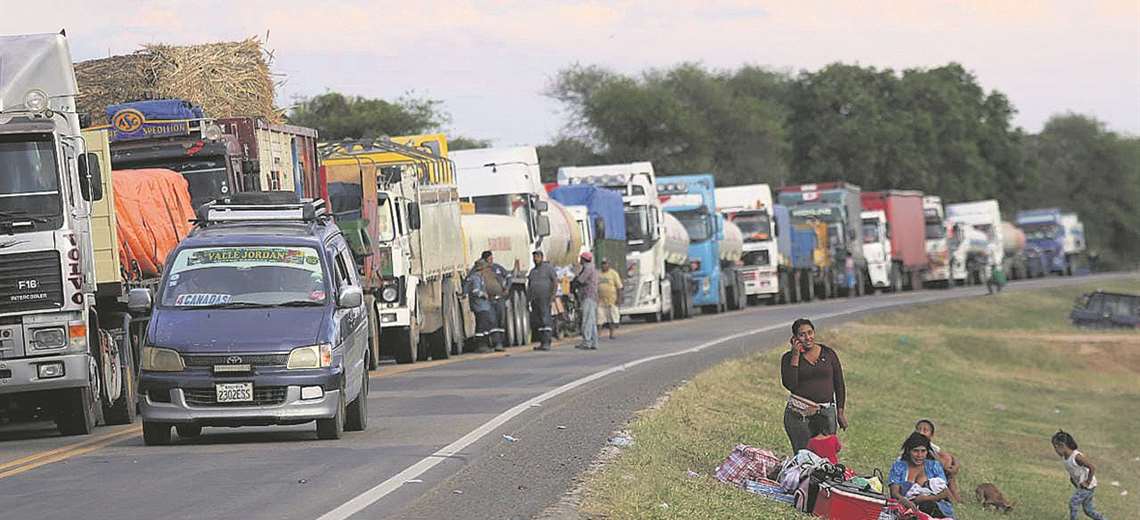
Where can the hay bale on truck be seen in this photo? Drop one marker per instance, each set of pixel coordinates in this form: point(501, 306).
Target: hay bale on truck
point(227, 79)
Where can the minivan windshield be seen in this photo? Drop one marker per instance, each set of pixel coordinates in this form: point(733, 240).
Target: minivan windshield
point(245, 276)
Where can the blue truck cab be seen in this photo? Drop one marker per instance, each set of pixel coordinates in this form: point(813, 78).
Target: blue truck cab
point(259, 320)
point(692, 200)
point(1055, 235)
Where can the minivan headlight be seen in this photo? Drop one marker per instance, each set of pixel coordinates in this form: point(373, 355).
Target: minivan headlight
point(312, 356)
point(157, 359)
point(44, 339)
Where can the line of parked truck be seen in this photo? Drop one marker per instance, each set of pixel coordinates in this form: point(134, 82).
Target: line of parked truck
point(82, 263)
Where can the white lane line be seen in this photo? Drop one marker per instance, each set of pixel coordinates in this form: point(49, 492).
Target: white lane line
point(367, 498)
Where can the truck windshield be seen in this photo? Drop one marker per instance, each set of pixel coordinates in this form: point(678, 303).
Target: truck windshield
point(1041, 231)
point(385, 222)
point(935, 230)
point(697, 223)
point(755, 225)
point(637, 224)
point(870, 231)
point(29, 181)
point(245, 276)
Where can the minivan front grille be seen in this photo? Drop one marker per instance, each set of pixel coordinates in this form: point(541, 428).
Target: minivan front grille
point(262, 396)
point(253, 360)
point(30, 281)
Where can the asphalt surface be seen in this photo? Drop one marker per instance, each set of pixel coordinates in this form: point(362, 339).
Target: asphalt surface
point(429, 451)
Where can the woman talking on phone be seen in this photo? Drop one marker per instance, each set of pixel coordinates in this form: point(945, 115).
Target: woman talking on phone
point(812, 373)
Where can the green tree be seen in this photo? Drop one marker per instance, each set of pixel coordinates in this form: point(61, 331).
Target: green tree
point(466, 143)
point(566, 151)
point(337, 116)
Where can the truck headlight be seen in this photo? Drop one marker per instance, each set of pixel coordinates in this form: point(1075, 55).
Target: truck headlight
point(44, 339)
point(312, 356)
point(36, 100)
point(157, 359)
point(389, 294)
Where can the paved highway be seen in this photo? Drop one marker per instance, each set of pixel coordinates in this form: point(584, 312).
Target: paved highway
point(435, 445)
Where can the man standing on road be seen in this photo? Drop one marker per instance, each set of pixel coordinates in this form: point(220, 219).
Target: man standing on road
point(587, 279)
point(609, 287)
point(498, 284)
point(542, 283)
point(481, 305)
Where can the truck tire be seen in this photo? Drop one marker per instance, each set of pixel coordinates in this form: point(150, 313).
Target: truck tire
point(122, 411)
point(508, 322)
point(333, 427)
point(458, 331)
point(828, 286)
point(156, 433)
point(405, 344)
point(809, 294)
point(523, 313)
point(79, 413)
point(373, 333)
point(439, 342)
point(859, 281)
point(356, 419)
point(896, 278)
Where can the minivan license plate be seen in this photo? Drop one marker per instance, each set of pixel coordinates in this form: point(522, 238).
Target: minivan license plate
point(234, 392)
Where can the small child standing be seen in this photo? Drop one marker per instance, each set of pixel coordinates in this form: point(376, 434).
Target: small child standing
point(1081, 474)
point(823, 440)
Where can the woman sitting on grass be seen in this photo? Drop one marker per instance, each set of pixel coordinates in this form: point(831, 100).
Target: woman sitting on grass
point(918, 482)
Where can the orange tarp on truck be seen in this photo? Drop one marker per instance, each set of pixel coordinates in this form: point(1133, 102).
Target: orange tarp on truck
point(153, 212)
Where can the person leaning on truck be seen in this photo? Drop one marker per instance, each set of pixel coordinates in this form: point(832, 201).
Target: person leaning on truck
point(812, 373)
point(541, 285)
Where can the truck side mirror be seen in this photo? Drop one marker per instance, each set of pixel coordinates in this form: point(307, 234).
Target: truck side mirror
point(414, 215)
point(140, 300)
point(543, 226)
point(90, 177)
point(541, 205)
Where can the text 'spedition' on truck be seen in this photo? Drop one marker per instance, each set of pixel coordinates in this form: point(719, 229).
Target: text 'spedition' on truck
point(65, 330)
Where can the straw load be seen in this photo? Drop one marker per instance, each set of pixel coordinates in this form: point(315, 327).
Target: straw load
point(228, 79)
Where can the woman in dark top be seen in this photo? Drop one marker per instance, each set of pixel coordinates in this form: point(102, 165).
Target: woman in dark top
point(812, 373)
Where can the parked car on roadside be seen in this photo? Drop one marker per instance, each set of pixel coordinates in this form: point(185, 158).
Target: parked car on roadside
point(259, 320)
point(1102, 309)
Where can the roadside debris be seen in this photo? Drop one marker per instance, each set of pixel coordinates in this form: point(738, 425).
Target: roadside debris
point(457, 491)
point(560, 427)
point(621, 440)
point(508, 438)
point(414, 481)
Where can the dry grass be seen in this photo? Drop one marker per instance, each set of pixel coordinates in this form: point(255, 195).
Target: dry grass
point(227, 79)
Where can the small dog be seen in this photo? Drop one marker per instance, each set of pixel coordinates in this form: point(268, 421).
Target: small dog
point(989, 495)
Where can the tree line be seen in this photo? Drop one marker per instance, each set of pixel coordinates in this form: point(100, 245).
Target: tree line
point(930, 129)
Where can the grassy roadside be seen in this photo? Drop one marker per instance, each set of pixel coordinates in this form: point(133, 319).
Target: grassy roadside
point(998, 375)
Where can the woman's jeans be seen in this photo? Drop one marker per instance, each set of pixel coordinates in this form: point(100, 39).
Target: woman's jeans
point(796, 427)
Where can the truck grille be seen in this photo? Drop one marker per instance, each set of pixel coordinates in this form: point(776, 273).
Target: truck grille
point(30, 281)
point(253, 360)
point(262, 396)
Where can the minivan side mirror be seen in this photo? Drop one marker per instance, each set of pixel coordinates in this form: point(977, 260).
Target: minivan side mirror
point(140, 300)
point(90, 177)
point(413, 215)
point(350, 298)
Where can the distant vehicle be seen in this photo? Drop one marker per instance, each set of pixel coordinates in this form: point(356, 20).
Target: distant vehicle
point(945, 250)
point(750, 208)
point(286, 267)
point(838, 206)
point(1058, 235)
point(978, 225)
point(896, 221)
point(1102, 309)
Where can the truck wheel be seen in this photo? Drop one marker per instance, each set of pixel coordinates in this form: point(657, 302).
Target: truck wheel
point(156, 433)
point(405, 342)
point(188, 431)
point(80, 412)
point(458, 332)
point(122, 411)
point(859, 281)
point(333, 428)
point(896, 278)
point(357, 417)
point(439, 342)
point(373, 333)
point(809, 293)
point(524, 318)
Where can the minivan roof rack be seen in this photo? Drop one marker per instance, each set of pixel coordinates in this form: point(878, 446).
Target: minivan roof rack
point(248, 209)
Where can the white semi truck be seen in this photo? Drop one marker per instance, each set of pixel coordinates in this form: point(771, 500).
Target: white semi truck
point(980, 225)
point(66, 334)
point(506, 182)
point(945, 249)
point(657, 282)
point(750, 208)
point(877, 249)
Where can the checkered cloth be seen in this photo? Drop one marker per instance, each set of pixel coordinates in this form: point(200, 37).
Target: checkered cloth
point(747, 463)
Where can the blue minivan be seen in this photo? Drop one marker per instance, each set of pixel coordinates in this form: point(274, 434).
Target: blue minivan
point(259, 320)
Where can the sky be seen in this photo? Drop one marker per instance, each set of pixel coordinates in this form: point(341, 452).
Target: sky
point(490, 61)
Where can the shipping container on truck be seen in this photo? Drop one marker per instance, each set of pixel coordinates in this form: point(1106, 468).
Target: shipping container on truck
point(906, 229)
point(716, 245)
point(839, 205)
point(750, 208)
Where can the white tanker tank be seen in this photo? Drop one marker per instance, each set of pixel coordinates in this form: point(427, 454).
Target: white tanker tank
point(564, 243)
point(1013, 239)
point(506, 237)
point(676, 240)
point(732, 245)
